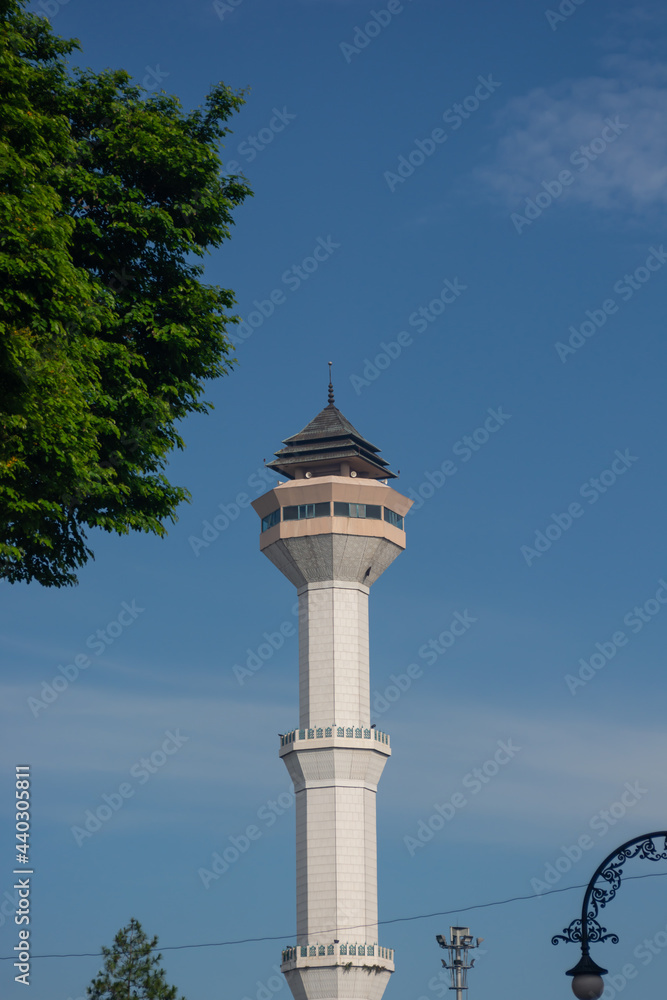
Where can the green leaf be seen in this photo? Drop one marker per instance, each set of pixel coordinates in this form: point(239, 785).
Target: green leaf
point(107, 331)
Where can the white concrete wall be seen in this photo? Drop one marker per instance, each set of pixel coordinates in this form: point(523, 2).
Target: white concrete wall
point(335, 782)
point(334, 684)
point(336, 864)
point(337, 983)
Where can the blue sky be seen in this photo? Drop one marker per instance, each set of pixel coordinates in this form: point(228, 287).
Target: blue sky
point(511, 249)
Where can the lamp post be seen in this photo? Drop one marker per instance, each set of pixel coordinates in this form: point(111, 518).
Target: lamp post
point(587, 983)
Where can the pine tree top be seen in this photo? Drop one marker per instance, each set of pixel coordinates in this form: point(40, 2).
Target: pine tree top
point(132, 969)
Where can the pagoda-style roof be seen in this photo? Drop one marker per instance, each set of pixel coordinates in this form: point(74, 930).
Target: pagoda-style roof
point(327, 443)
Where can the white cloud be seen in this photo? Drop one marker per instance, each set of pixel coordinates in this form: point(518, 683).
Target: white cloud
point(99, 734)
point(85, 744)
point(563, 775)
point(544, 129)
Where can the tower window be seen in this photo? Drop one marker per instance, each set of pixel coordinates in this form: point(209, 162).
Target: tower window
point(370, 510)
point(305, 510)
point(393, 518)
point(271, 519)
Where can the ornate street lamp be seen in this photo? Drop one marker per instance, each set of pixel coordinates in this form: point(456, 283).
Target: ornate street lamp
point(587, 983)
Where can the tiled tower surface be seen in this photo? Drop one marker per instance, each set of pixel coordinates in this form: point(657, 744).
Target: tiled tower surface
point(332, 529)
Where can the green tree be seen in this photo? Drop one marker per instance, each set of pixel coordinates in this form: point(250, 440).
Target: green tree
point(131, 969)
point(107, 330)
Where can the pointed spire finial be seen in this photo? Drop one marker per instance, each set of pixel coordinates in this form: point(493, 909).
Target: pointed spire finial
point(331, 392)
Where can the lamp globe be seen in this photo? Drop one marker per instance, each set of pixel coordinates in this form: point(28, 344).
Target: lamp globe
point(587, 987)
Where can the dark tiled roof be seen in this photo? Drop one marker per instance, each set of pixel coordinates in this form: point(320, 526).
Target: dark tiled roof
point(329, 439)
point(329, 422)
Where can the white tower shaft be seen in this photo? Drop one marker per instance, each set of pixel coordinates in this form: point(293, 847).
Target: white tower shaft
point(334, 682)
point(335, 789)
point(332, 536)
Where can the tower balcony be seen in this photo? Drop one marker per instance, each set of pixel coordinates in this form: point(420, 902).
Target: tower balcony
point(345, 954)
point(337, 736)
point(342, 754)
point(337, 971)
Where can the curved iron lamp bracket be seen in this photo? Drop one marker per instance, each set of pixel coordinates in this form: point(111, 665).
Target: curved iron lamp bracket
point(587, 928)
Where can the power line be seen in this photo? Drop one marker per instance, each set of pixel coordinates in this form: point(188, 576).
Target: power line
point(394, 920)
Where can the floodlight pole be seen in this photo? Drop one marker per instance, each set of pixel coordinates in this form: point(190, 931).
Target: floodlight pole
point(460, 944)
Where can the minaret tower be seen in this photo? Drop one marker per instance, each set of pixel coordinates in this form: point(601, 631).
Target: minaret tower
point(332, 529)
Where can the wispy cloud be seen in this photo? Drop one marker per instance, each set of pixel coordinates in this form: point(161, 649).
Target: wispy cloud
point(100, 733)
point(544, 130)
point(560, 777)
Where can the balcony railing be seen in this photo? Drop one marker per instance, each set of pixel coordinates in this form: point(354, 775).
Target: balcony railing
point(327, 732)
point(337, 951)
